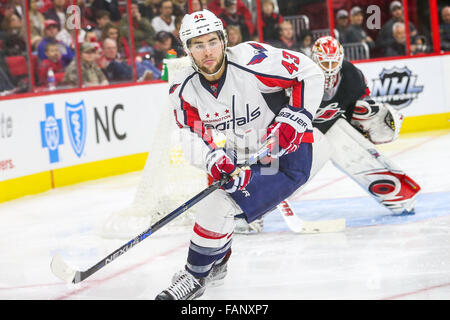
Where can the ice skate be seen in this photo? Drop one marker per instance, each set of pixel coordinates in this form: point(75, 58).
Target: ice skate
point(185, 287)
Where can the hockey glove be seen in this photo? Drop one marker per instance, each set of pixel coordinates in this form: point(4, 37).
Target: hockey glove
point(239, 181)
point(290, 126)
point(379, 122)
point(219, 164)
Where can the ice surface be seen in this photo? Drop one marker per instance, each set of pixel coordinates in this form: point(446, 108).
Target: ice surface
point(379, 256)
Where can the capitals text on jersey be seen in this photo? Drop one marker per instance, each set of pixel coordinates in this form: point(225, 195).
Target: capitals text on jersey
point(234, 121)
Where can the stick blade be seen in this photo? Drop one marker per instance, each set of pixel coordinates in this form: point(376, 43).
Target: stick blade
point(325, 226)
point(62, 270)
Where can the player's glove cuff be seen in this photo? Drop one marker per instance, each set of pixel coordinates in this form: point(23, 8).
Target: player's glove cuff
point(292, 126)
point(240, 181)
point(219, 163)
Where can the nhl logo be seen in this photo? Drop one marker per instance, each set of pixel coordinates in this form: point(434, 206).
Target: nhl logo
point(396, 86)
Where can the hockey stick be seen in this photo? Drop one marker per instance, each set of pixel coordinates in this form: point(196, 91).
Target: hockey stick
point(298, 225)
point(63, 271)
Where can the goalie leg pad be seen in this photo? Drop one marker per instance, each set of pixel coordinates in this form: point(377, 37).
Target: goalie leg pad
point(379, 176)
point(395, 190)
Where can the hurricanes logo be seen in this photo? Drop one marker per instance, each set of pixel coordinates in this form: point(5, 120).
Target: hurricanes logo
point(328, 113)
point(396, 86)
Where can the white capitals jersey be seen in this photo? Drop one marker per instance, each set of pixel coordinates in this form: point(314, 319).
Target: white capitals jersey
point(258, 82)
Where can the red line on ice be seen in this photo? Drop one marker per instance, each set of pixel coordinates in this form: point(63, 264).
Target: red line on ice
point(95, 283)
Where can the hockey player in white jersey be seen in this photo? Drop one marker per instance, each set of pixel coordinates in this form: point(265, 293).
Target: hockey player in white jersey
point(349, 125)
point(242, 93)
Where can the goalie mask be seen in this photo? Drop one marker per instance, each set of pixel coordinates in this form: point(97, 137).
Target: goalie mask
point(328, 53)
point(198, 24)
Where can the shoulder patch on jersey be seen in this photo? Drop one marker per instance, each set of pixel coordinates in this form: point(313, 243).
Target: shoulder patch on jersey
point(259, 53)
point(173, 88)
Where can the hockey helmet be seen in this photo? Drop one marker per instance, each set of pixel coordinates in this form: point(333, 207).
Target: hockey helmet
point(328, 53)
point(200, 23)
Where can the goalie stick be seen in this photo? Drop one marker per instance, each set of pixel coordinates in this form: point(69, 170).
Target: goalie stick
point(298, 225)
point(63, 271)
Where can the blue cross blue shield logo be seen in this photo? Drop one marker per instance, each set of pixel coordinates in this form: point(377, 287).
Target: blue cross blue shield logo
point(76, 126)
point(51, 132)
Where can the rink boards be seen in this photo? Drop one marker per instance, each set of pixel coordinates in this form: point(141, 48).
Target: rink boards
point(48, 141)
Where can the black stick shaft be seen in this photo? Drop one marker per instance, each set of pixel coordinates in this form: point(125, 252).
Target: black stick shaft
point(82, 275)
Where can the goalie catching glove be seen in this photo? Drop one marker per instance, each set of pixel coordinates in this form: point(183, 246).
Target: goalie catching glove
point(219, 164)
point(291, 127)
point(379, 122)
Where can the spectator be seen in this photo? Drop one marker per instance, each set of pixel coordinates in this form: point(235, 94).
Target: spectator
point(178, 7)
point(218, 7)
point(91, 74)
point(234, 35)
point(16, 7)
point(53, 62)
point(166, 20)
point(270, 21)
point(109, 5)
point(355, 32)
point(197, 5)
point(306, 43)
point(44, 5)
point(102, 19)
point(341, 25)
point(142, 29)
point(51, 29)
point(14, 36)
point(164, 41)
point(91, 36)
point(146, 70)
point(385, 37)
point(445, 28)
point(398, 48)
point(6, 86)
point(36, 23)
point(176, 32)
point(286, 38)
point(231, 17)
point(149, 9)
point(87, 15)
point(115, 68)
point(57, 13)
point(112, 31)
point(6, 83)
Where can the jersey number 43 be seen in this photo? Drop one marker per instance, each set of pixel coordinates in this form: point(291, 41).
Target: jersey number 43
point(291, 62)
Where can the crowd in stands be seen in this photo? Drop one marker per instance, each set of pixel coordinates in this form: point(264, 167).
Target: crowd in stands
point(106, 50)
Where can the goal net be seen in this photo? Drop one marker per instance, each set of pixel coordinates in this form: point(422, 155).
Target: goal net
point(167, 181)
